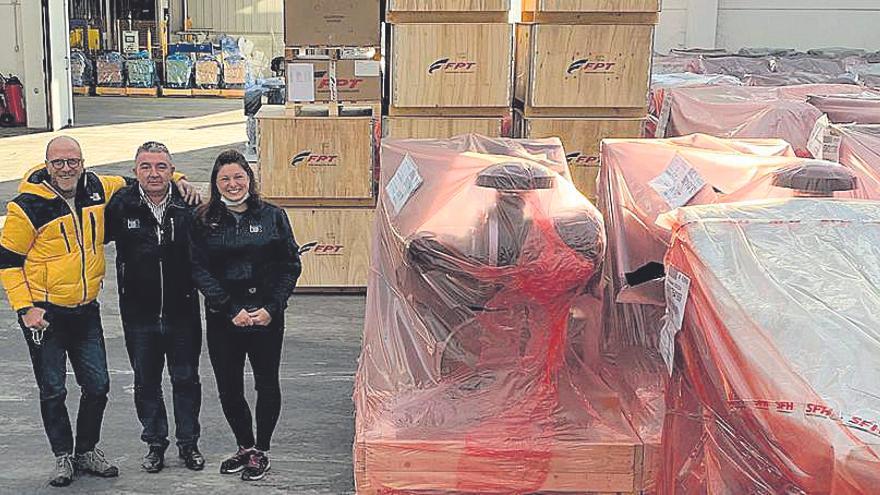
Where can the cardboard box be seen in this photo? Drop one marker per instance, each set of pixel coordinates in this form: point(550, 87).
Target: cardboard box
point(331, 23)
point(356, 80)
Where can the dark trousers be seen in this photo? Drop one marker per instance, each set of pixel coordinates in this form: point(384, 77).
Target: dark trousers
point(76, 334)
point(149, 346)
point(228, 349)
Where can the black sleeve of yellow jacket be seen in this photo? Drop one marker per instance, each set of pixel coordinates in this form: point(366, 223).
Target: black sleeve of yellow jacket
point(288, 266)
point(16, 240)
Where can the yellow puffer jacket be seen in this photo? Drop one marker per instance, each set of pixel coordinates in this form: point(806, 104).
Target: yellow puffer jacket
point(48, 252)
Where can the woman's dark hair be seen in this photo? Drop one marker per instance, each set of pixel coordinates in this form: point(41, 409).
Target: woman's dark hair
point(211, 211)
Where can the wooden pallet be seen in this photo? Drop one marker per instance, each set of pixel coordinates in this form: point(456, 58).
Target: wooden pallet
point(81, 90)
point(292, 53)
point(205, 93)
point(143, 92)
point(335, 109)
point(450, 112)
point(574, 467)
point(109, 91)
point(175, 92)
point(232, 93)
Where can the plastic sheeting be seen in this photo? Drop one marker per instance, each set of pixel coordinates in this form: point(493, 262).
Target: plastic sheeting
point(483, 312)
point(746, 112)
point(795, 78)
point(111, 71)
point(178, 71)
point(734, 65)
point(859, 109)
point(776, 387)
point(207, 72)
point(81, 73)
point(141, 72)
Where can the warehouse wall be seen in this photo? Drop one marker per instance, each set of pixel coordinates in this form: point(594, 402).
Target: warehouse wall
point(260, 21)
point(800, 24)
point(22, 53)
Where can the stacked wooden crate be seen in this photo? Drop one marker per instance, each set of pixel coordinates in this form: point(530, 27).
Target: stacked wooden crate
point(582, 74)
point(450, 68)
point(318, 153)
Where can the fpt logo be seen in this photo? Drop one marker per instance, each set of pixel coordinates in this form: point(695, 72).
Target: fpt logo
point(314, 160)
point(581, 160)
point(321, 249)
point(447, 66)
point(341, 84)
point(592, 66)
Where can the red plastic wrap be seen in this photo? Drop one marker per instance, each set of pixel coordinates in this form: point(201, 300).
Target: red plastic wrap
point(480, 370)
point(746, 112)
point(861, 108)
point(776, 385)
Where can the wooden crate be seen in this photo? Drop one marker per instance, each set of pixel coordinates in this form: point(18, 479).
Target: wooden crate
point(451, 69)
point(583, 70)
point(336, 109)
point(444, 127)
point(144, 92)
point(334, 247)
point(316, 158)
point(591, 11)
point(109, 91)
point(386, 466)
point(174, 92)
point(433, 11)
point(581, 139)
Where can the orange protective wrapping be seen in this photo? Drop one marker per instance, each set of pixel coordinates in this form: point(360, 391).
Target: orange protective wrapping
point(746, 112)
point(776, 385)
point(480, 370)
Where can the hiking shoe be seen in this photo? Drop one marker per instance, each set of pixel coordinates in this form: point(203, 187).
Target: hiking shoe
point(237, 462)
point(192, 458)
point(154, 461)
point(257, 467)
point(94, 462)
point(63, 471)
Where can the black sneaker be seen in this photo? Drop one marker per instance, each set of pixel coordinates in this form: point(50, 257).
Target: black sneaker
point(154, 461)
point(192, 458)
point(237, 462)
point(63, 471)
point(257, 467)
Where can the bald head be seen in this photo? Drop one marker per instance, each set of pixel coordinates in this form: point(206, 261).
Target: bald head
point(63, 147)
point(65, 164)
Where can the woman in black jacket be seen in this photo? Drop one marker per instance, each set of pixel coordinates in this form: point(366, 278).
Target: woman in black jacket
point(246, 263)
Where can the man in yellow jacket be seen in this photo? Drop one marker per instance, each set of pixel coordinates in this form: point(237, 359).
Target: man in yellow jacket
point(52, 266)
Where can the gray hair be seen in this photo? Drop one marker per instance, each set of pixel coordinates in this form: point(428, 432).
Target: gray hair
point(153, 147)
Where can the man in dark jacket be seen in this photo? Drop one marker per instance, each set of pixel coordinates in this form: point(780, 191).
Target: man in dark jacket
point(159, 304)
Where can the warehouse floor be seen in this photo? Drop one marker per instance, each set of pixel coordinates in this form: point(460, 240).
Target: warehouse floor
point(311, 452)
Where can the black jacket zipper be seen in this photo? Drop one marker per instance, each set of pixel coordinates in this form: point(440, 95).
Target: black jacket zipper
point(94, 231)
point(77, 223)
point(64, 235)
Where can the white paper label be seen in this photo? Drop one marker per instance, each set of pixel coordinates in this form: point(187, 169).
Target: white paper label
point(816, 143)
point(677, 287)
point(366, 68)
point(404, 183)
point(300, 82)
point(678, 183)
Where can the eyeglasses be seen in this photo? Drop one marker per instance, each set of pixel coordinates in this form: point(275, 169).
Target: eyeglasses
point(59, 164)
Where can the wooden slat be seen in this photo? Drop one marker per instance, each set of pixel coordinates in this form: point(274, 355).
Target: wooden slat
point(443, 127)
point(594, 112)
point(461, 66)
point(648, 18)
point(446, 17)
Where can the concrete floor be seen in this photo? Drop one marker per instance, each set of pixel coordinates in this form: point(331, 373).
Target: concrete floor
point(311, 451)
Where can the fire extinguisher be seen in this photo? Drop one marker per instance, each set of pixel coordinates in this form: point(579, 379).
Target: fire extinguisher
point(13, 94)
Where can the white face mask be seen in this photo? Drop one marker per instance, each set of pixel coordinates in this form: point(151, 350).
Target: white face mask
point(240, 202)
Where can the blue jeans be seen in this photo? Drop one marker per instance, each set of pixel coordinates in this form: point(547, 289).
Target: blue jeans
point(76, 334)
point(148, 348)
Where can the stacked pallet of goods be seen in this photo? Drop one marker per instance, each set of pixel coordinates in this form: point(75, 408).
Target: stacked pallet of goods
point(582, 74)
point(450, 68)
point(318, 153)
